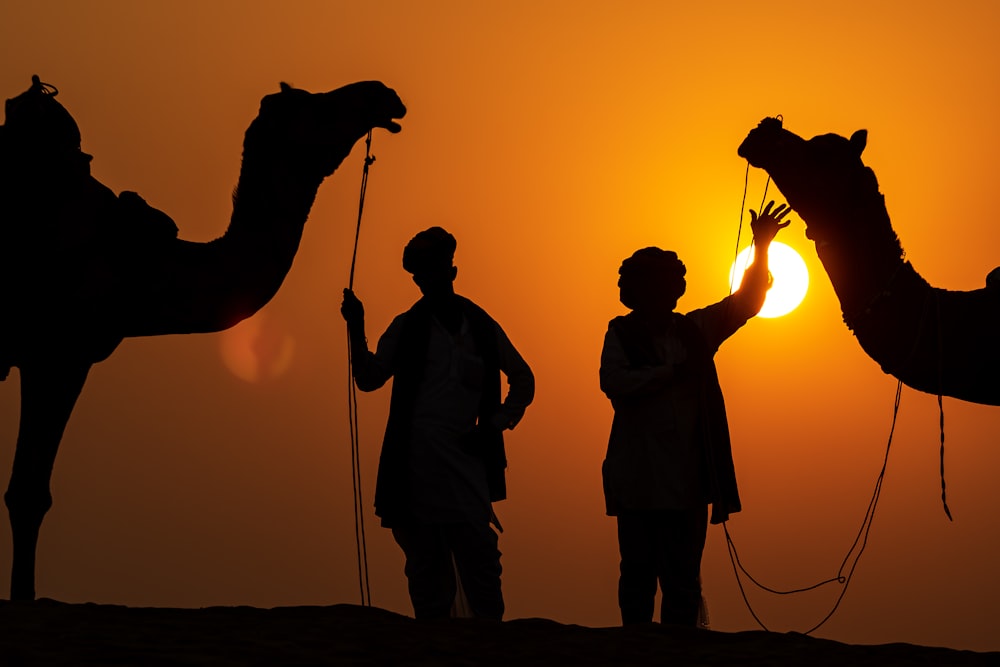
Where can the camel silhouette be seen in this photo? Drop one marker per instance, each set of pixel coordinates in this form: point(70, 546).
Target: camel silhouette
point(84, 268)
point(934, 340)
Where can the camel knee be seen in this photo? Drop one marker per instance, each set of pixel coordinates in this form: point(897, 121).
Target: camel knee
point(27, 505)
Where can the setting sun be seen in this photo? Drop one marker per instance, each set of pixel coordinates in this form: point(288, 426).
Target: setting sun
point(791, 278)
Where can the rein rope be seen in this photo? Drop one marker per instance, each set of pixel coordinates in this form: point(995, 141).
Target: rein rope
point(739, 230)
point(861, 539)
point(940, 398)
point(859, 315)
point(369, 159)
point(857, 547)
point(352, 408)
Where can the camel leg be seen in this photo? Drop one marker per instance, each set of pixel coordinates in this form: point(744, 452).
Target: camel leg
point(48, 394)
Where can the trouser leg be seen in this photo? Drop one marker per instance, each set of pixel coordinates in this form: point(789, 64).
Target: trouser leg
point(430, 574)
point(477, 559)
point(637, 579)
point(681, 542)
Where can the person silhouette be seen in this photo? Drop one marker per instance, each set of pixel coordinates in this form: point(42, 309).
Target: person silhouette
point(669, 453)
point(442, 461)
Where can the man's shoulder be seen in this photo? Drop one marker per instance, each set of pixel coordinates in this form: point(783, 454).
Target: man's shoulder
point(698, 315)
point(473, 309)
point(402, 317)
point(620, 320)
point(399, 322)
point(712, 314)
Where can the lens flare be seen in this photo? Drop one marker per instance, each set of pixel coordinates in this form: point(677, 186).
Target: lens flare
point(257, 349)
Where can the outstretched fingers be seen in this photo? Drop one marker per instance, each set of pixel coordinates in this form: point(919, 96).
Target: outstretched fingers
point(767, 224)
point(777, 214)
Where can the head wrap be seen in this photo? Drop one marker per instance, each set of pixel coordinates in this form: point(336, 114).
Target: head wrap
point(430, 250)
point(651, 274)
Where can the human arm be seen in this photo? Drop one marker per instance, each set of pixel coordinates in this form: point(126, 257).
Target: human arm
point(520, 384)
point(370, 371)
point(620, 379)
point(748, 299)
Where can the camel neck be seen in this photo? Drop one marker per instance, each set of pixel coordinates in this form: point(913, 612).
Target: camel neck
point(863, 257)
point(216, 284)
point(272, 194)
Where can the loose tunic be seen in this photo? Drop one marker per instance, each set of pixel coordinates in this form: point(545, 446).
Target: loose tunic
point(669, 446)
point(430, 469)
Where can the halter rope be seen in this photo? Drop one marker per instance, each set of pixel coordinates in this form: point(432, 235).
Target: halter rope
point(862, 536)
point(352, 408)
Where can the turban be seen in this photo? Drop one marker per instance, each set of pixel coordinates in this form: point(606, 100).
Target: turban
point(430, 250)
point(651, 273)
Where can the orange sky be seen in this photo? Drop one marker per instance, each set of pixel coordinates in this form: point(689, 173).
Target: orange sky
point(552, 139)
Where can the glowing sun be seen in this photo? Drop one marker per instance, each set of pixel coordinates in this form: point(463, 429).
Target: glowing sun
point(791, 278)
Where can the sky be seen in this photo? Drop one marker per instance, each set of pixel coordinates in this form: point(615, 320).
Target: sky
point(552, 139)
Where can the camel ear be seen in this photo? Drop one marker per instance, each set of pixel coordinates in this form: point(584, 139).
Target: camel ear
point(285, 87)
point(859, 140)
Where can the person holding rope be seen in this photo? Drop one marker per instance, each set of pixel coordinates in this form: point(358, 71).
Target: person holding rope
point(442, 461)
point(669, 452)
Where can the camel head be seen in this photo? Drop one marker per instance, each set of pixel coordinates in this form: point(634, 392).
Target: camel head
point(823, 178)
point(316, 131)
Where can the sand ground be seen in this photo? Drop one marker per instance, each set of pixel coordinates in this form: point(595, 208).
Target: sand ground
point(52, 633)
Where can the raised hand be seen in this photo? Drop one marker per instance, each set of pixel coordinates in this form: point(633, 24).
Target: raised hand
point(766, 225)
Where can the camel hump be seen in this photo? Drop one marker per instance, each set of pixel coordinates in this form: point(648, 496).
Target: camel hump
point(37, 122)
